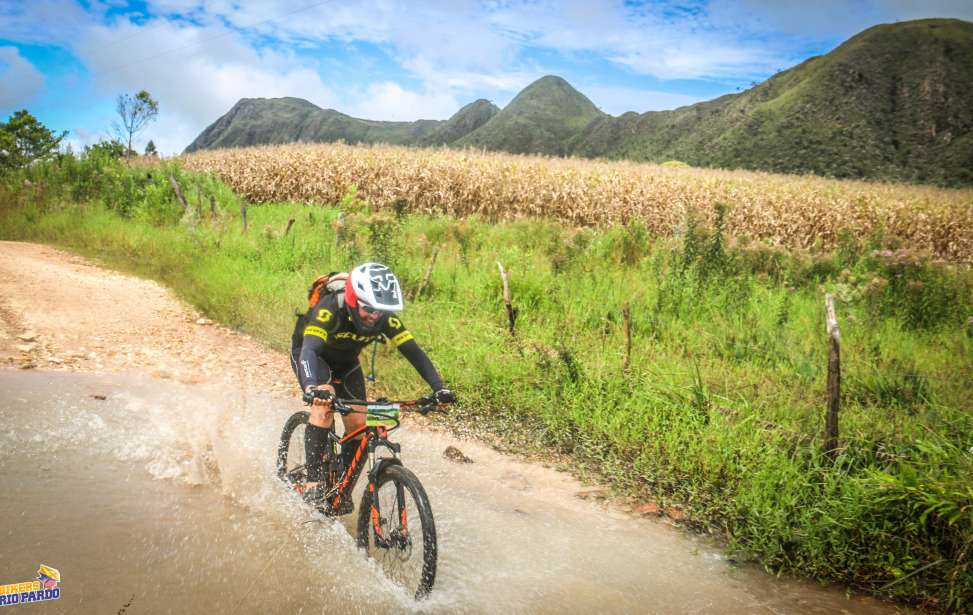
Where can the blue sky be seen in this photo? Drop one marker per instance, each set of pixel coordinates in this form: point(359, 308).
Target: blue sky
point(67, 60)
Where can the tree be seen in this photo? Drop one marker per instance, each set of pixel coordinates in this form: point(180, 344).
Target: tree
point(23, 139)
point(107, 148)
point(150, 149)
point(136, 113)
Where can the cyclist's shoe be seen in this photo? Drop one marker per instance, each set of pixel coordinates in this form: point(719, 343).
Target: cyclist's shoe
point(345, 507)
point(312, 495)
point(315, 496)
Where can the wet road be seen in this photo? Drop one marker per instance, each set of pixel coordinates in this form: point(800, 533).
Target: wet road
point(161, 498)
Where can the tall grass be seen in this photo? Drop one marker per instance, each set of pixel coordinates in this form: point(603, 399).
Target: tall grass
point(722, 410)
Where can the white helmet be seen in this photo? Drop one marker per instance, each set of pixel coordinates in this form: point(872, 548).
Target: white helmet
point(374, 285)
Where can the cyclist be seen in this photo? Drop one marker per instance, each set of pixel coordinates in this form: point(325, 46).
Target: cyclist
point(324, 353)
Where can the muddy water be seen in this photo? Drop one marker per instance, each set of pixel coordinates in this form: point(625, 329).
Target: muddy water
point(161, 498)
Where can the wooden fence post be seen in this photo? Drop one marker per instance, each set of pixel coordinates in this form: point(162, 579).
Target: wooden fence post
point(628, 337)
point(243, 212)
point(511, 312)
point(834, 378)
point(290, 223)
point(212, 207)
point(179, 194)
point(425, 278)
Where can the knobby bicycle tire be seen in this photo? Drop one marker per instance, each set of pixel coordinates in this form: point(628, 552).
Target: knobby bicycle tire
point(422, 564)
point(283, 448)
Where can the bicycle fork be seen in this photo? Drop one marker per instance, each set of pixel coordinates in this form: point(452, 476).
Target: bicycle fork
point(399, 536)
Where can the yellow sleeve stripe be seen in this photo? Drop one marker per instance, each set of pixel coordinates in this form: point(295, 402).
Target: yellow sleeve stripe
point(401, 338)
point(316, 331)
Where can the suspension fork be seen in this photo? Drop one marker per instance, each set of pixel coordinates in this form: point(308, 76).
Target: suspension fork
point(375, 470)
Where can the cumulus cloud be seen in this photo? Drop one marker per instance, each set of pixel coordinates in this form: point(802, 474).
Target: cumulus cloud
point(473, 38)
point(19, 80)
point(618, 100)
point(195, 73)
point(40, 21)
point(390, 101)
point(658, 39)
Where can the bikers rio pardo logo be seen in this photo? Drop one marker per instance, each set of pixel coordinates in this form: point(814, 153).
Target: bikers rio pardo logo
point(42, 589)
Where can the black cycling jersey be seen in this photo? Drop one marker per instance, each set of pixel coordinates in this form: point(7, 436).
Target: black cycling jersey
point(326, 341)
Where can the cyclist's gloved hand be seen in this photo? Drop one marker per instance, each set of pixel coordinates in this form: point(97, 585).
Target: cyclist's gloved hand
point(444, 396)
point(323, 394)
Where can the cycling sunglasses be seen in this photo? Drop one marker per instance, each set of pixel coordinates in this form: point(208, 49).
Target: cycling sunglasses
point(369, 309)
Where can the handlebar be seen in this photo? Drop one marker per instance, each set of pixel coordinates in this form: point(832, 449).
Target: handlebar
point(423, 405)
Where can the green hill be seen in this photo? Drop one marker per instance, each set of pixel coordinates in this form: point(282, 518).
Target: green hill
point(463, 122)
point(546, 117)
point(262, 121)
point(893, 102)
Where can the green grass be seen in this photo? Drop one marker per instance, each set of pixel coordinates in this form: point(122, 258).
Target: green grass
point(722, 410)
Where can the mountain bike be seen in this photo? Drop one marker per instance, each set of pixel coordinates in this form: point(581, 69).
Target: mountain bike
point(393, 499)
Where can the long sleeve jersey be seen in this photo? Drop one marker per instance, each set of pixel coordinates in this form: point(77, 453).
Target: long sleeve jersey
point(330, 342)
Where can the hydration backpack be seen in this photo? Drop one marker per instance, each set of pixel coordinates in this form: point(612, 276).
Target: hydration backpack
point(333, 282)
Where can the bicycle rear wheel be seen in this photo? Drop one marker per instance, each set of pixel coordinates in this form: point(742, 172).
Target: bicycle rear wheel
point(405, 546)
point(291, 460)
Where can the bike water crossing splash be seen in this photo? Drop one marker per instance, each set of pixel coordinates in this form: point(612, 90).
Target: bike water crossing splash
point(163, 496)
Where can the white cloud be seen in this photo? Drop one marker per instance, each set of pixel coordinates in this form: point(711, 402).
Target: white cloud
point(40, 21)
point(206, 71)
point(389, 101)
point(19, 80)
point(650, 40)
point(618, 100)
point(80, 136)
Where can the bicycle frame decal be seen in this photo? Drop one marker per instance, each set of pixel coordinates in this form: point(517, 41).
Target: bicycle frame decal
point(351, 472)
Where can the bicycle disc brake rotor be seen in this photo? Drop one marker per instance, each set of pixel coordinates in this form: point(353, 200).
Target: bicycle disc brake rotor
point(401, 544)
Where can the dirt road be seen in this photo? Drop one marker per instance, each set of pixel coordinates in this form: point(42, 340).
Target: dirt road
point(58, 311)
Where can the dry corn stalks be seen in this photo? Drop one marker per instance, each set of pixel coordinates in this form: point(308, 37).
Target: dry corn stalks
point(790, 211)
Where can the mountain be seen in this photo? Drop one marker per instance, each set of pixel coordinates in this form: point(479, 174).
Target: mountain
point(546, 117)
point(462, 123)
point(260, 121)
point(892, 102)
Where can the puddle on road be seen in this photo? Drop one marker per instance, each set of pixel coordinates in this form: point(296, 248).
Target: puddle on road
point(163, 497)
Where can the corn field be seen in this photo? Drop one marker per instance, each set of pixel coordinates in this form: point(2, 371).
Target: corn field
point(794, 212)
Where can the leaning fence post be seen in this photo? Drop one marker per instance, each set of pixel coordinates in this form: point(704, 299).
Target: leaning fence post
point(425, 278)
point(511, 312)
point(287, 230)
point(179, 194)
point(834, 378)
point(628, 337)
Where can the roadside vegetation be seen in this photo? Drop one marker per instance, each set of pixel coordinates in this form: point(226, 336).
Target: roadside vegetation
point(719, 416)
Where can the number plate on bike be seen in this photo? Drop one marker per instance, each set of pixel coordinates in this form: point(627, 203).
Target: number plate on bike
point(382, 416)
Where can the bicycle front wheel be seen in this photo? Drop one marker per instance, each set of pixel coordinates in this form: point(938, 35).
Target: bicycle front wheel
point(399, 534)
point(291, 461)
